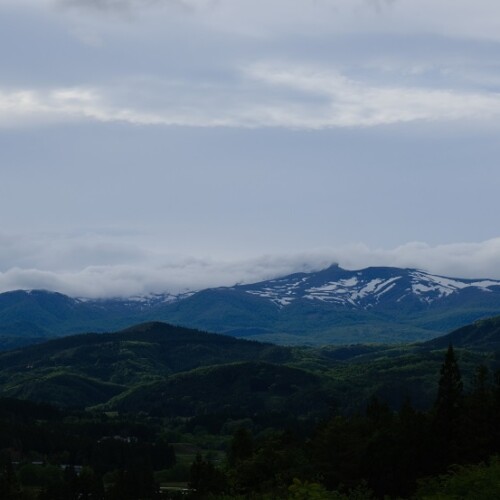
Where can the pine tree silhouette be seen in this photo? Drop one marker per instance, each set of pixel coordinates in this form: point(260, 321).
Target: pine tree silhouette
point(447, 410)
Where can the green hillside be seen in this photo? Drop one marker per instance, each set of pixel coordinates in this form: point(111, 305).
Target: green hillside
point(259, 417)
point(482, 335)
point(154, 348)
point(172, 370)
point(235, 388)
point(88, 369)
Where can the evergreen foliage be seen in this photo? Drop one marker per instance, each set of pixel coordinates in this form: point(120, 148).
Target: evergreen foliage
point(283, 433)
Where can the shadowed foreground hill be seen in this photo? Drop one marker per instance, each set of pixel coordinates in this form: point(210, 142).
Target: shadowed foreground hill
point(483, 335)
point(242, 388)
point(169, 370)
point(150, 349)
point(88, 369)
point(213, 385)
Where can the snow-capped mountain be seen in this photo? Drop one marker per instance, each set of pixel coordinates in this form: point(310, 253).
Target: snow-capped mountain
point(335, 305)
point(365, 288)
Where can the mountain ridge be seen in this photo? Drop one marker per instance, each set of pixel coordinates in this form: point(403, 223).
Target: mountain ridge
point(334, 284)
point(334, 305)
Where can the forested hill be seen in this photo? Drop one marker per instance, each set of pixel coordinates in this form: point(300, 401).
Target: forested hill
point(482, 335)
point(159, 367)
point(89, 369)
point(145, 350)
point(352, 413)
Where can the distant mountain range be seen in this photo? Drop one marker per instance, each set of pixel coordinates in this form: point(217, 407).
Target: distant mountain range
point(332, 306)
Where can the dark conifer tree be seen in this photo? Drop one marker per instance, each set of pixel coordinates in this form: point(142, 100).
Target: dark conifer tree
point(241, 446)
point(450, 390)
point(496, 411)
point(481, 386)
point(480, 418)
point(412, 448)
point(447, 411)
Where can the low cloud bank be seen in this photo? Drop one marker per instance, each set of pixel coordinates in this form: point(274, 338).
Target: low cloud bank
point(96, 266)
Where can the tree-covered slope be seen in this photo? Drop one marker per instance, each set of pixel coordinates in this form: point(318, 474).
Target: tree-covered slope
point(40, 314)
point(482, 335)
point(236, 388)
point(90, 368)
point(150, 349)
point(167, 369)
point(63, 389)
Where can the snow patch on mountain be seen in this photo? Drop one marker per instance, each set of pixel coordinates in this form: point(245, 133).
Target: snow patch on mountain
point(351, 290)
point(430, 287)
point(364, 289)
point(281, 292)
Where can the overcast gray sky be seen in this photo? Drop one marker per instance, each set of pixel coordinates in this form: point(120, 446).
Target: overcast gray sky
point(153, 145)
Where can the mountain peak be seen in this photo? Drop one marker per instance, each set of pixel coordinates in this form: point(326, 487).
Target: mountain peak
point(375, 304)
point(364, 288)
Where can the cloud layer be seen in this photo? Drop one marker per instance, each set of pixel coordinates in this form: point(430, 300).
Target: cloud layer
point(238, 63)
point(320, 99)
point(97, 266)
point(245, 127)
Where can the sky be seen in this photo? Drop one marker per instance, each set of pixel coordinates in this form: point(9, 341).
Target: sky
point(163, 145)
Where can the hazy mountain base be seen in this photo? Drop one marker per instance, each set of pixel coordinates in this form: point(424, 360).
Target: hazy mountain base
point(307, 322)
